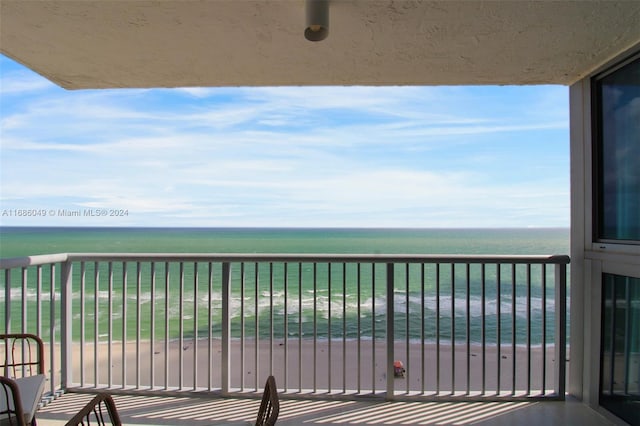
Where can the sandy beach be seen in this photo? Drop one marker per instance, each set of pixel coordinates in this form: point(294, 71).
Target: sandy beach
point(303, 366)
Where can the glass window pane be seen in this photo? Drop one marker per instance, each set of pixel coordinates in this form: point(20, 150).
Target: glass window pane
point(618, 154)
point(620, 359)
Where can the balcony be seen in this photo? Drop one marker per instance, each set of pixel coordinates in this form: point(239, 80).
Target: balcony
point(466, 329)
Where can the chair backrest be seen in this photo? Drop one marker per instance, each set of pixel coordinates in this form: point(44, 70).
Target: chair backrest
point(270, 404)
point(101, 410)
point(21, 355)
point(11, 412)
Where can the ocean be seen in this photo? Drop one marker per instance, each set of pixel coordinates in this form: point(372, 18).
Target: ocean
point(339, 302)
point(25, 241)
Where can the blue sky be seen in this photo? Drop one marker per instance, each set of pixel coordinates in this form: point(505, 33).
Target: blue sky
point(283, 156)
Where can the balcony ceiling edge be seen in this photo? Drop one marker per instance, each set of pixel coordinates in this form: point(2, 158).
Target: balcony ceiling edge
point(214, 43)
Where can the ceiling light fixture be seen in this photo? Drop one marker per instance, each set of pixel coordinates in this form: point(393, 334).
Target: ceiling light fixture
point(317, 20)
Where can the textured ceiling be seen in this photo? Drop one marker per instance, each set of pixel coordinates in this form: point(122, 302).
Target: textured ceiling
point(171, 43)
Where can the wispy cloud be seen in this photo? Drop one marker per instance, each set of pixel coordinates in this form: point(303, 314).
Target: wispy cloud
point(20, 82)
point(286, 156)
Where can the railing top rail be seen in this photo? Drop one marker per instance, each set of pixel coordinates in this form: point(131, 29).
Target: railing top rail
point(323, 257)
point(44, 259)
point(286, 257)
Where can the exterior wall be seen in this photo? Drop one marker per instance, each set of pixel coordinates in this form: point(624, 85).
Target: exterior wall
point(589, 259)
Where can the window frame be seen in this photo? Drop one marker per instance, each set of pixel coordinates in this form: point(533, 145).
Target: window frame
point(597, 147)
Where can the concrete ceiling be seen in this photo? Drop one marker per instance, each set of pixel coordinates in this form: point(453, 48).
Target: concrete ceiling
point(172, 43)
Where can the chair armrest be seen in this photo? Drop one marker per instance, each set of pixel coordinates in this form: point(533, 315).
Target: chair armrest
point(96, 408)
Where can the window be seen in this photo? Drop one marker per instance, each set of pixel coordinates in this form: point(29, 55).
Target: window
point(620, 359)
point(617, 154)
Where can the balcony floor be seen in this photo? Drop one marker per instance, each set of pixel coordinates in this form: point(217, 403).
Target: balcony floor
point(142, 410)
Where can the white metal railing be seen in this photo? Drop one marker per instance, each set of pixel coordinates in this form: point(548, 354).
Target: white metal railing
point(464, 327)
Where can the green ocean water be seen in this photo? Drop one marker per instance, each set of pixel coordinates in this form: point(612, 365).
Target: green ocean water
point(15, 241)
point(301, 299)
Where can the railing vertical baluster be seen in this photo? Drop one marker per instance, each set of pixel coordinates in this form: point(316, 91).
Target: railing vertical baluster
point(66, 337)
point(390, 339)
point(124, 324)
point(373, 328)
point(38, 300)
point(300, 287)
point(7, 298)
point(96, 322)
point(210, 329)
point(359, 338)
point(181, 328)
point(52, 327)
point(437, 328)
point(468, 332)
point(498, 326)
point(329, 372)
point(109, 324)
point(23, 301)
point(560, 330)
point(513, 329)
point(315, 326)
point(528, 283)
point(423, 366)
point(407, 344)
point(344, 327)
point(83, 272)
point(195, 324)
point(138, 320)
point(544, 329)
point(286, 324)
point(256, 325)
point(242, 313)
point(23, 308)
point(483, 309)
point(167, 334)
point(226, 325)
point(270, 318)
point(152, 331)
point(453, 329)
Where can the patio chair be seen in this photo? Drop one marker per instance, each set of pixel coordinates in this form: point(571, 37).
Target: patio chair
point(101, 410)
point(270, 405)
point(23, 379)
point(11, 412)
point(21, 355)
